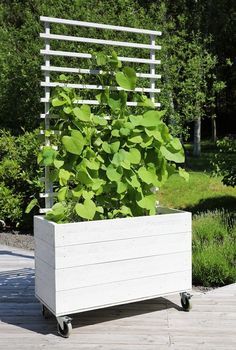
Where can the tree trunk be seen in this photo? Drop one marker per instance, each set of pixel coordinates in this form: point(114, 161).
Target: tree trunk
point(197, 138)
point(213, 128)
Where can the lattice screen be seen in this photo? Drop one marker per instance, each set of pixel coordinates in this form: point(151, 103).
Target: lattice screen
point(76, 58)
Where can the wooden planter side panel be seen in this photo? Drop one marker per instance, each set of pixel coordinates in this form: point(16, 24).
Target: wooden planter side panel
point(45, 278)
point(129, 259)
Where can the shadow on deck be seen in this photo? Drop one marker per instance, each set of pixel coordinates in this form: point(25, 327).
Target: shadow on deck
point(19, 307)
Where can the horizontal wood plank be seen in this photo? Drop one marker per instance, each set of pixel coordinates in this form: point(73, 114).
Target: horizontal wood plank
point(99, 26)
point(87, 55)
point(114, 229)
point(83, 276)
point(96, 253)
point(121, 292)
point(98, 41)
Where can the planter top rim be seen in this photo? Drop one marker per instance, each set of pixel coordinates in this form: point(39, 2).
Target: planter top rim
point(160, 212)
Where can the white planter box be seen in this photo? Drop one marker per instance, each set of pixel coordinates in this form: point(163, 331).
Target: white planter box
point(90, 265)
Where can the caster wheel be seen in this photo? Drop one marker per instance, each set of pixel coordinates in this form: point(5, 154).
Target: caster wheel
point(65, 333)
point(185, 302)
point(46, 313)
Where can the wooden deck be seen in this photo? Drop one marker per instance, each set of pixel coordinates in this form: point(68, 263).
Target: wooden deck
point(151, 325)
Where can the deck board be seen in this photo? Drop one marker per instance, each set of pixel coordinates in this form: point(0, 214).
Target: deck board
point(149, 325)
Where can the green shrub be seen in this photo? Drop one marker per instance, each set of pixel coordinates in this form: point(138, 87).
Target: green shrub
point(10, 206)
point(225, 161)
point(20, 60)
point(18, 177)
point(214, 248)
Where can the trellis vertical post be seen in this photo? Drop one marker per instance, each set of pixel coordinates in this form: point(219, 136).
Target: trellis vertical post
point(48, 184)
point(152, 67)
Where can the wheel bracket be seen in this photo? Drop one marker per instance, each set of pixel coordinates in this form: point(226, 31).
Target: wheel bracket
point(62, 320)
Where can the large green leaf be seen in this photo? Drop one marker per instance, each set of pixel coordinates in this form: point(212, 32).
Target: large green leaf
point(176, 144)
point(86, 210)
point(57, 213)
point(48, 155)
point(147, 176)
point(62, 194)
point(113, 174)
point(134, 181)
point(114, 146)
point(115, 103)
point(134, 156)
point(148, 202)
point(83, 176)
point(56, 102)
point(121, 187)
point(101, 58)
point(127, 78)
point(83, 113)
point(136, 139)
point(31, 205)
point(75, 143)
point(58, 163)
point(152, 118)
point(155, 133)
point(99, 120)
point(172, 155)
point(64, 176)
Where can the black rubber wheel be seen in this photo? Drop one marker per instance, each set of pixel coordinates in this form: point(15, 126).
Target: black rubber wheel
point(186, 304)
point(46, 313)
point(65, 333)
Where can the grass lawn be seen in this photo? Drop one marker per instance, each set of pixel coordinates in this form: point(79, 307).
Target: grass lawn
point(203, 191)
point(214, 219)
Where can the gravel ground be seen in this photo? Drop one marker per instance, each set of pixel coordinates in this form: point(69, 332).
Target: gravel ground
point(17, 240)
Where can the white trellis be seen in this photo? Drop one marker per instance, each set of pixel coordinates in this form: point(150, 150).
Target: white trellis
point(47, 68)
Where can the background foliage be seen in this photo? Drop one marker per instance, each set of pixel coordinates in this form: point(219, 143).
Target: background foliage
point(196, 53)
point(18, 177)
point(199, 81)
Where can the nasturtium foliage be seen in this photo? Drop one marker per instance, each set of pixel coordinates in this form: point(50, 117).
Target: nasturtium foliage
point(107, 160)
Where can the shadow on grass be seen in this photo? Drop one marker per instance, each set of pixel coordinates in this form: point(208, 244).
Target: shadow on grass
point(227, 203)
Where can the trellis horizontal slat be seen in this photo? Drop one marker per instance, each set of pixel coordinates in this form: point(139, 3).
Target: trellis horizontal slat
point(92, 71)
point(95, 102)
point(51, 116)
point(94, 87)
point(48, 195)
point(99, 25)
point(87, 55)
point(55, 132)
point(44, 210)
point(98, 41)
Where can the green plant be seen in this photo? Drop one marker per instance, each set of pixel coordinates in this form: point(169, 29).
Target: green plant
point(10, 204)
point(214, 248)
point(18, 177)
point(107, 163)
point(225, 161)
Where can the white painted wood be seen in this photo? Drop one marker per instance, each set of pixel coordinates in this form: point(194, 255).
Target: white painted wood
point(121, 292)
point(98, 41)
point(87, 55)
point(100, 263)
point(98, 25)
point(94, 87)
point(152, 68)
point(84, 276)
point(95, 102)
point(173, 221)
point(95, 253)
point(48, 184)
point(92, 71)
